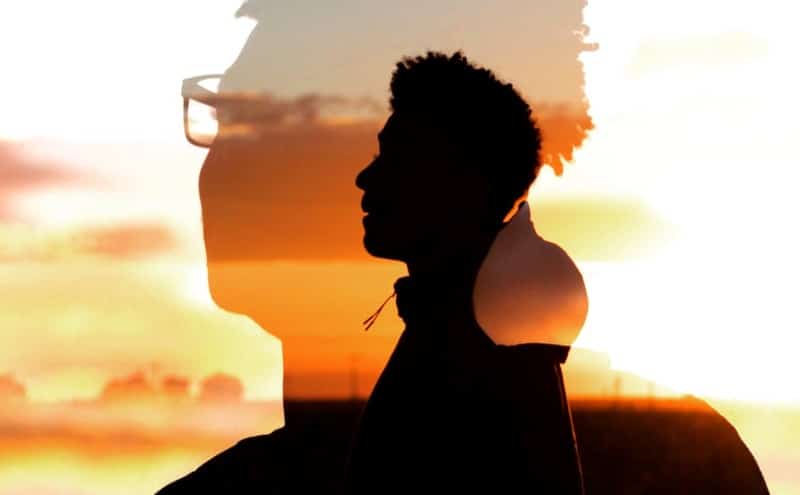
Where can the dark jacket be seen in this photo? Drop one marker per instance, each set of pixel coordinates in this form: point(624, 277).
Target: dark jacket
point(453, 412)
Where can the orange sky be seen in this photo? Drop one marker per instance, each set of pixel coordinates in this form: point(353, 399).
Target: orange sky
point(103, 264)
point(679, 208)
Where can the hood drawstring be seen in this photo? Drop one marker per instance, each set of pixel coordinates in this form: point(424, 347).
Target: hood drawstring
point(374, 316)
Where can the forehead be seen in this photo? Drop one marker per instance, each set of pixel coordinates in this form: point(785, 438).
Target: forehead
point(395, 128)
point(410, 128)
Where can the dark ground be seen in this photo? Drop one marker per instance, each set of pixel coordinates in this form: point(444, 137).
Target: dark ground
point(632, 447)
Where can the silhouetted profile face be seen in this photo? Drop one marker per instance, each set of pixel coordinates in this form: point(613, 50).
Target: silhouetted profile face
point(285, 194)
point(233, 220)
point(416, 189)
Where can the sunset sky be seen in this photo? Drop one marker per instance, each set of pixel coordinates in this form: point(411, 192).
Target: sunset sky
point(679, 207)
point(676, 208)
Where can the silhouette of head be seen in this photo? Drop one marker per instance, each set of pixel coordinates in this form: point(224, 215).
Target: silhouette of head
point(276, 186)
point(459, 150)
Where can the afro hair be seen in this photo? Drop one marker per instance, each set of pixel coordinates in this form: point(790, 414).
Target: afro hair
point(485, 117)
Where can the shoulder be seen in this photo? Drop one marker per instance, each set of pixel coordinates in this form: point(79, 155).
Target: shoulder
point(247, 467)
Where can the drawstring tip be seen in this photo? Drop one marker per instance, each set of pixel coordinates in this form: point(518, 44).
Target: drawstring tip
point(374, 316)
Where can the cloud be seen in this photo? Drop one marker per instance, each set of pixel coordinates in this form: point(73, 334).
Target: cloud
point(20, 173)
point(175, 386)
point(601, 229)
point(122, 241)
point(136, 386)
point(539, 54)
point(564, 126)
point(221, 387)
point(142, 386)
point(244, 115)
point(125, 241)
point(289, 193)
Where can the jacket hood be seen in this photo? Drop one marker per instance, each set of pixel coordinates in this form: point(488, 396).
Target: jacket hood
point(528, 290)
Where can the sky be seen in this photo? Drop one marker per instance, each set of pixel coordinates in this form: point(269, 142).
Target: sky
point(676, 207)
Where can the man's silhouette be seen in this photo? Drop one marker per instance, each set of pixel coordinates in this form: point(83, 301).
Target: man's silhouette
point(472, 397)
point(457, 155)
point(468, 400)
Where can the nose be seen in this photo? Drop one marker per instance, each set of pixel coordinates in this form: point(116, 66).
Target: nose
point(363, 177)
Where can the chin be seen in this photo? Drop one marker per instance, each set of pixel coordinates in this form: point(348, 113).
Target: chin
point(381, 247)
point(228, 287)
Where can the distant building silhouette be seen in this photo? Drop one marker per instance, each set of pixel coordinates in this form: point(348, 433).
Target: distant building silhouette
point(175, 386)
point(221, 387)
point(136, 386)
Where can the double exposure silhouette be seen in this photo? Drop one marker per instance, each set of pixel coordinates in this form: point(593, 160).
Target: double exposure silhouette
point(458, 405)
point(472, 396)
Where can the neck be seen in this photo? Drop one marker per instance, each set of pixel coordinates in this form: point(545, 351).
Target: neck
point(322, 368)
point(295, 380)
point(459, 256)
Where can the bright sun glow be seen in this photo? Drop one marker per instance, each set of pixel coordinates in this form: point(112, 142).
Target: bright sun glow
point(707, 134)
point(196, 286)
point(695, 107)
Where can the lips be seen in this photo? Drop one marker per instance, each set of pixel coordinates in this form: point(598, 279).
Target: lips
point(372, 221)
point(374, 211)
point(365, 204)
point(370, 206)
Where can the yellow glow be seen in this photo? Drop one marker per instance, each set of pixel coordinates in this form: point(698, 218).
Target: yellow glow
point(706, 145)
point(196, 286)
point(102, 77)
